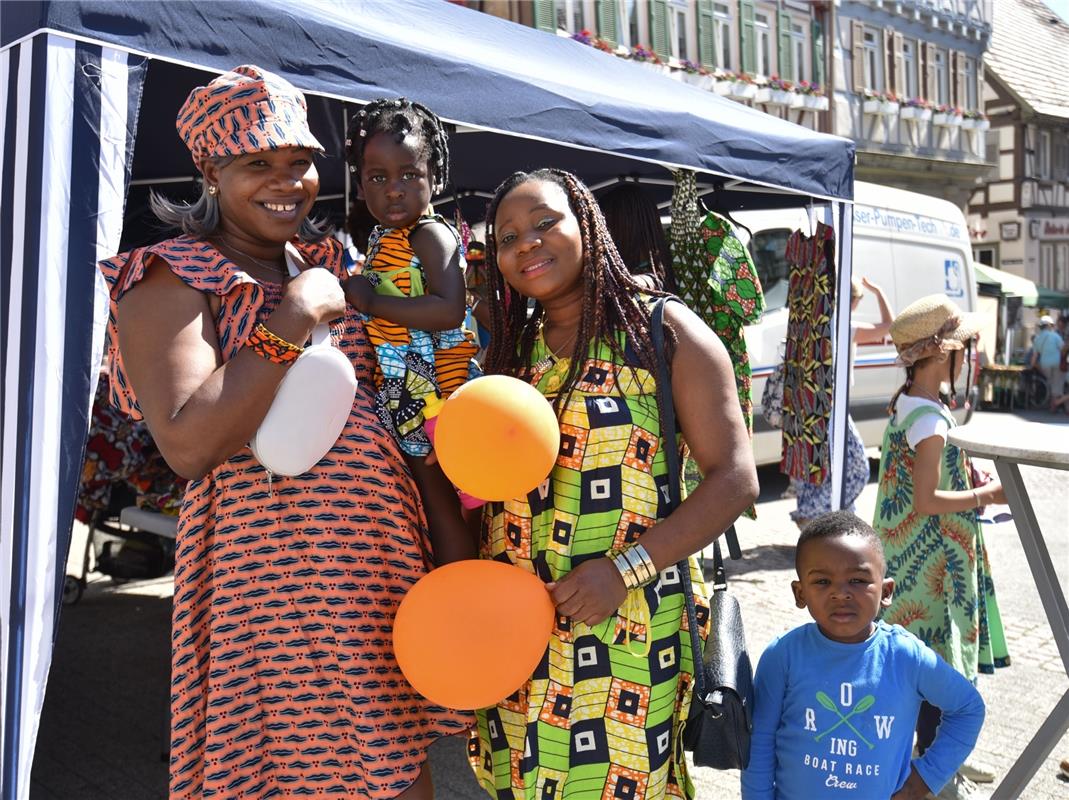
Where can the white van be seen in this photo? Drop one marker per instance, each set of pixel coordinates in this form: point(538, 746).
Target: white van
point(910, 244)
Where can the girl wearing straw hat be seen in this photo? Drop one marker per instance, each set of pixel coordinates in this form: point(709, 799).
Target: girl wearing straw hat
point(926, 510)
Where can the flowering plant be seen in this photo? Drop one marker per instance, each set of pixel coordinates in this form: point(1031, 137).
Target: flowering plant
point(693, 69)
point(740, 77)
point(776, 82)
point(975, 114)
point(805, 87)
point(586, 37)
point(641, 53)
point(884, 97)
point(917, 102)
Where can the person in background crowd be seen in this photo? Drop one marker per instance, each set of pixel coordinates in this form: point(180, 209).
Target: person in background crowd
point(635, 227)
point(1047, 358)
point(284, 680)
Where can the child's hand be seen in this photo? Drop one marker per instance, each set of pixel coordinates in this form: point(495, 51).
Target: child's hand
point(360, 293)
point(913, 789)
point(590, 593)
point(993, 494)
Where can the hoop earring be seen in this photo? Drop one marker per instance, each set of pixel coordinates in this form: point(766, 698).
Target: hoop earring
point(213, 190)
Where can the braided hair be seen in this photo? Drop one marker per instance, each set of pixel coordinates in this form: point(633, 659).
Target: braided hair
point(635, 225)
point(400, 118)
point(611, 301)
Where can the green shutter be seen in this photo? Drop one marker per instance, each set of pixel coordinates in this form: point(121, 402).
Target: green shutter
point(818, 53)
point(707, 35)
point(545, 15)
point(747, 37)
point(608, 16)
point(659, 28)
point(785, 62)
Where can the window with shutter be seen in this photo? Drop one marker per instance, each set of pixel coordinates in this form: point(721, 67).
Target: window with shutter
point(961, 96)
point(747, 58)
point(931, 92)
point(898, 65)
point(818, 53)
point(857, 54)
point(660, 28)
point(908, 50)
point(608, 13)
point(545, 15)
point(799, 53)
point(725, 37)
point(763, 44)
point(706, 34)
point(785, 52)
point(889, 60)
point(942, 76)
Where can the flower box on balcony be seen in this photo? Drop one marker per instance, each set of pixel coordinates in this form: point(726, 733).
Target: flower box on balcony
point(975, 124)
point(916, 113)
point(723, 88)
point(743, 90)
point(888, 108)
point(872, 106)
point(946, 120)
point(699, 80)
point(763, 95)
point(816, 102)
point(776, 97)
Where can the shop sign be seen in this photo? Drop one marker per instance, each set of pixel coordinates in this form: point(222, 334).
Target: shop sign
point(1055, 228)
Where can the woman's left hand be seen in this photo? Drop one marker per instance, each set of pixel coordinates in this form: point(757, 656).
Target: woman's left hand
point(590, 593)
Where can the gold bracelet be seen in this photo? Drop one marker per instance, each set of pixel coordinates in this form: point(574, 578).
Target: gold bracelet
point(635, 566)
point(272, 347)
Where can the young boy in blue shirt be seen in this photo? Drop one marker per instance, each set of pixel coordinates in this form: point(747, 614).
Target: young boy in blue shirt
point(836, 702)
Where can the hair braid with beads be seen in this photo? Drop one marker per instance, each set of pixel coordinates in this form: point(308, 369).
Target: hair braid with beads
point(401, 118)
point(611, 301)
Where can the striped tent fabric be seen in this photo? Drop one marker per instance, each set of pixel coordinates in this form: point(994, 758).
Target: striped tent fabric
point(69, 114)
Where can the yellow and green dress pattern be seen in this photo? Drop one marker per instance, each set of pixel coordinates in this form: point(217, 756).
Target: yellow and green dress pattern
point(601, 715)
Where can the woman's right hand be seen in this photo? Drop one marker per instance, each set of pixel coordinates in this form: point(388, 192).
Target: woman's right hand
point(992, 494)
point(316, 295)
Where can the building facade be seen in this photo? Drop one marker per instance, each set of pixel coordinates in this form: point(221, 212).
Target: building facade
point(902, 78)
point(1019, 219)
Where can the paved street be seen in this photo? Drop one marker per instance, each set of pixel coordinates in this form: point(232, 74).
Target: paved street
point(103, 725)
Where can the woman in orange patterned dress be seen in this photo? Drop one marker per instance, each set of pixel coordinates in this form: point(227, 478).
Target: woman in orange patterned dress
point(283, 677)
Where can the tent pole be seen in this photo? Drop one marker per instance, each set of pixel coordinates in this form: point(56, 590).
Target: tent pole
point(840, 217)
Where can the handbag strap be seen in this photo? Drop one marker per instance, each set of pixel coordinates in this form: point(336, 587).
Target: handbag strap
point(668, 421)
point(321, 332)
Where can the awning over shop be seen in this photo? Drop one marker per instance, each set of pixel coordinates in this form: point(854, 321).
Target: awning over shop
point(1008, 283)
point(1051, 298)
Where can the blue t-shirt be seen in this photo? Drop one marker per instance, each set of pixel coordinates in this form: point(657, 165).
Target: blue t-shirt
point(1048, 344)
point(837, 720)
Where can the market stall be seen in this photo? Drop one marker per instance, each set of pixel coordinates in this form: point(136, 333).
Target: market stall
point(90, 92)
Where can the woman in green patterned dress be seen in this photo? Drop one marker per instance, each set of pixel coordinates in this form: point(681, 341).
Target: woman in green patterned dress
point(926, 510)
point(601, 715)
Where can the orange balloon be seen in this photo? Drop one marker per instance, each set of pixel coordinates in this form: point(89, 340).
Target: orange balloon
point(497, 438)
point(469, 634)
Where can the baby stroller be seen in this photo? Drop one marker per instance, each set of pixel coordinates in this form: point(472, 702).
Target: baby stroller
point(128, 498)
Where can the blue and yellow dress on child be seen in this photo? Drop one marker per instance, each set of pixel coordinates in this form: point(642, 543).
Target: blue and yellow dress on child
point(602, 713)
point(413, 364)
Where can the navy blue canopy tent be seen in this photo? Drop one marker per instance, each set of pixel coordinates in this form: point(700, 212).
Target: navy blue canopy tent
point(90, 94)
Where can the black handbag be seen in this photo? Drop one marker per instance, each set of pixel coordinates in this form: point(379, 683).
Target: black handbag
point(720, 721)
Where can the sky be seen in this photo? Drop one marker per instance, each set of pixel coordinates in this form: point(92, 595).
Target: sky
point(1060, 7)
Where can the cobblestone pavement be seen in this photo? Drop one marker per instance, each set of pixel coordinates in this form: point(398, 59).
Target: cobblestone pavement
point(103, 725)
